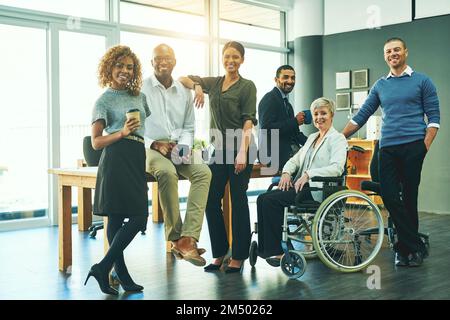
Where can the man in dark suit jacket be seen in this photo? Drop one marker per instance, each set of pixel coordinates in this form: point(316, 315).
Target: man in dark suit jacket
point(275, 112)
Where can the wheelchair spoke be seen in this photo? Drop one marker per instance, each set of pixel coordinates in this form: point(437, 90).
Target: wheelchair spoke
point(341, 231)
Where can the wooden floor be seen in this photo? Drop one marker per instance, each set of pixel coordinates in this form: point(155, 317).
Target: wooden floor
point(29, 270)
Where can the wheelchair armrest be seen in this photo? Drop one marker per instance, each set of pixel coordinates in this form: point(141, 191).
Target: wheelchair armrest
point(370, 186)
point(339, 179)
point(272, 185)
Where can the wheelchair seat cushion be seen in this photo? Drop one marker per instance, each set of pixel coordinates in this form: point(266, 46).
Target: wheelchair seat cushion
point(308, 204)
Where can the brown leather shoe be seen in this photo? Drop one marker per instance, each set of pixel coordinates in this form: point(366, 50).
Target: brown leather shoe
point(175, 252)
point(191, 256)
point(179, 256)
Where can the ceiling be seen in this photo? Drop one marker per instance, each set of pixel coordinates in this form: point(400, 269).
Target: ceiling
point(229, 10)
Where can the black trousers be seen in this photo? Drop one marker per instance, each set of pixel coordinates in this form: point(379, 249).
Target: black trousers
point(400, 170)
point(221, 173)
point(270, 207)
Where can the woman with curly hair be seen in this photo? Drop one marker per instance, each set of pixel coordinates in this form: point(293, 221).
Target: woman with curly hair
point(121, 188)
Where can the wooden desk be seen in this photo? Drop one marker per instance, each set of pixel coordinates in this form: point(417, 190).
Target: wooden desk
point(84, 179)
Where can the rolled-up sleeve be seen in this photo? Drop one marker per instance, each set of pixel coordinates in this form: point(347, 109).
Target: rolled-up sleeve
point(205, 82)
point(248, 103)
point(431, 103)
point(99, 113)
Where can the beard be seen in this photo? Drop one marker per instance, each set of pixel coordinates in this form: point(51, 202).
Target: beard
point(286, 88)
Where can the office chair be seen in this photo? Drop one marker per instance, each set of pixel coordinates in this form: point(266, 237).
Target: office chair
point(92, 158)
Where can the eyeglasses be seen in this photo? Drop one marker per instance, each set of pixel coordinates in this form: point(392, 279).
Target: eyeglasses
point(161, 59)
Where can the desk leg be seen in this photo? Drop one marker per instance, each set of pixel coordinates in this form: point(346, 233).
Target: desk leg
point(168, 246)
point(84, 209)
point(227, 214)
point(105, 235)
point(65, 227)
point(157, 214)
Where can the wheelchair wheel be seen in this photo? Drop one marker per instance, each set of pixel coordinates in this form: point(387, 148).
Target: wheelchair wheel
point(296, 268)
point(253, 254)
point(348, 231)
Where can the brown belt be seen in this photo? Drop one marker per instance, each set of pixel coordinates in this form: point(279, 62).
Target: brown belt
point(135, 138)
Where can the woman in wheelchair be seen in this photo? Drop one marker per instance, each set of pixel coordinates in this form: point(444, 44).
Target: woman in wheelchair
point(323, 155)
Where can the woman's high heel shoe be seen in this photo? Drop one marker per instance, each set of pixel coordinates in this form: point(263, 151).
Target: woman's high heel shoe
point(234, 269)
point(102, 279)
point(212, 267)
point(215, 267)
point(129, 284)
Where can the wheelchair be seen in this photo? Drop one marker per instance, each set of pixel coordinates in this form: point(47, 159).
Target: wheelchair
point(345, 230)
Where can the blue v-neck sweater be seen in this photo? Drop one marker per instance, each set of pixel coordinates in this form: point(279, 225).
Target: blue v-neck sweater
point(404, 101)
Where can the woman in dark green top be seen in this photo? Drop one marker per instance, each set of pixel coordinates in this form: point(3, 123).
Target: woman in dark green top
point(233, 114)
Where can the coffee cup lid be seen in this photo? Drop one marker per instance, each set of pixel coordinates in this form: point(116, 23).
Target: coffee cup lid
point(132, 110)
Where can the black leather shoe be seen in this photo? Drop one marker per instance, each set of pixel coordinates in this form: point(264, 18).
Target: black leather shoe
point(400, 260)
point(415, 259)
point(274, 262)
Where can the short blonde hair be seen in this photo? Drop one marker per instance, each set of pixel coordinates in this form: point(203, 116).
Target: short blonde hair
point(323, 102)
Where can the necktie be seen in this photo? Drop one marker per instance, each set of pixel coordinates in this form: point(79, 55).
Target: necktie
point(288, 107)
point(295, 138)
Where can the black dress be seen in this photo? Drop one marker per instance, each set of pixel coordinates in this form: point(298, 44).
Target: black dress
point(121, 187)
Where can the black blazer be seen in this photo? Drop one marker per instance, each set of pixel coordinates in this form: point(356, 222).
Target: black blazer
point(272, 115)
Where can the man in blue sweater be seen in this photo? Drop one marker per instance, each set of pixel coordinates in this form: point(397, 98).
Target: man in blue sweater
point(405, 97)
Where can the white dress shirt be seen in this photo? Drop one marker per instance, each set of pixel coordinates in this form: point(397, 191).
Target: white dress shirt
point(172, 113)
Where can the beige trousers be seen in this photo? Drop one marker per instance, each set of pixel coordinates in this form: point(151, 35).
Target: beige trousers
point(167, 173)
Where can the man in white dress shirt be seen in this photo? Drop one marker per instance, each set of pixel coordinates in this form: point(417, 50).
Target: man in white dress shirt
point(169, 137)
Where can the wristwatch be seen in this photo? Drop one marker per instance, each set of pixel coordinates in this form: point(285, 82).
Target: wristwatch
point(195, 84)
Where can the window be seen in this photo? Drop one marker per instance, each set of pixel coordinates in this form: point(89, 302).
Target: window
point(79, 90)
point(157, 16)
point(93, 9)
point(260, 67)
point(23, 123)
point(244, 22)
point(190, 55)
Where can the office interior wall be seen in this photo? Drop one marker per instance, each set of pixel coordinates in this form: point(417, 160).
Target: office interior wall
point(431, 8)
point(349, 15)
point(308, 66)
